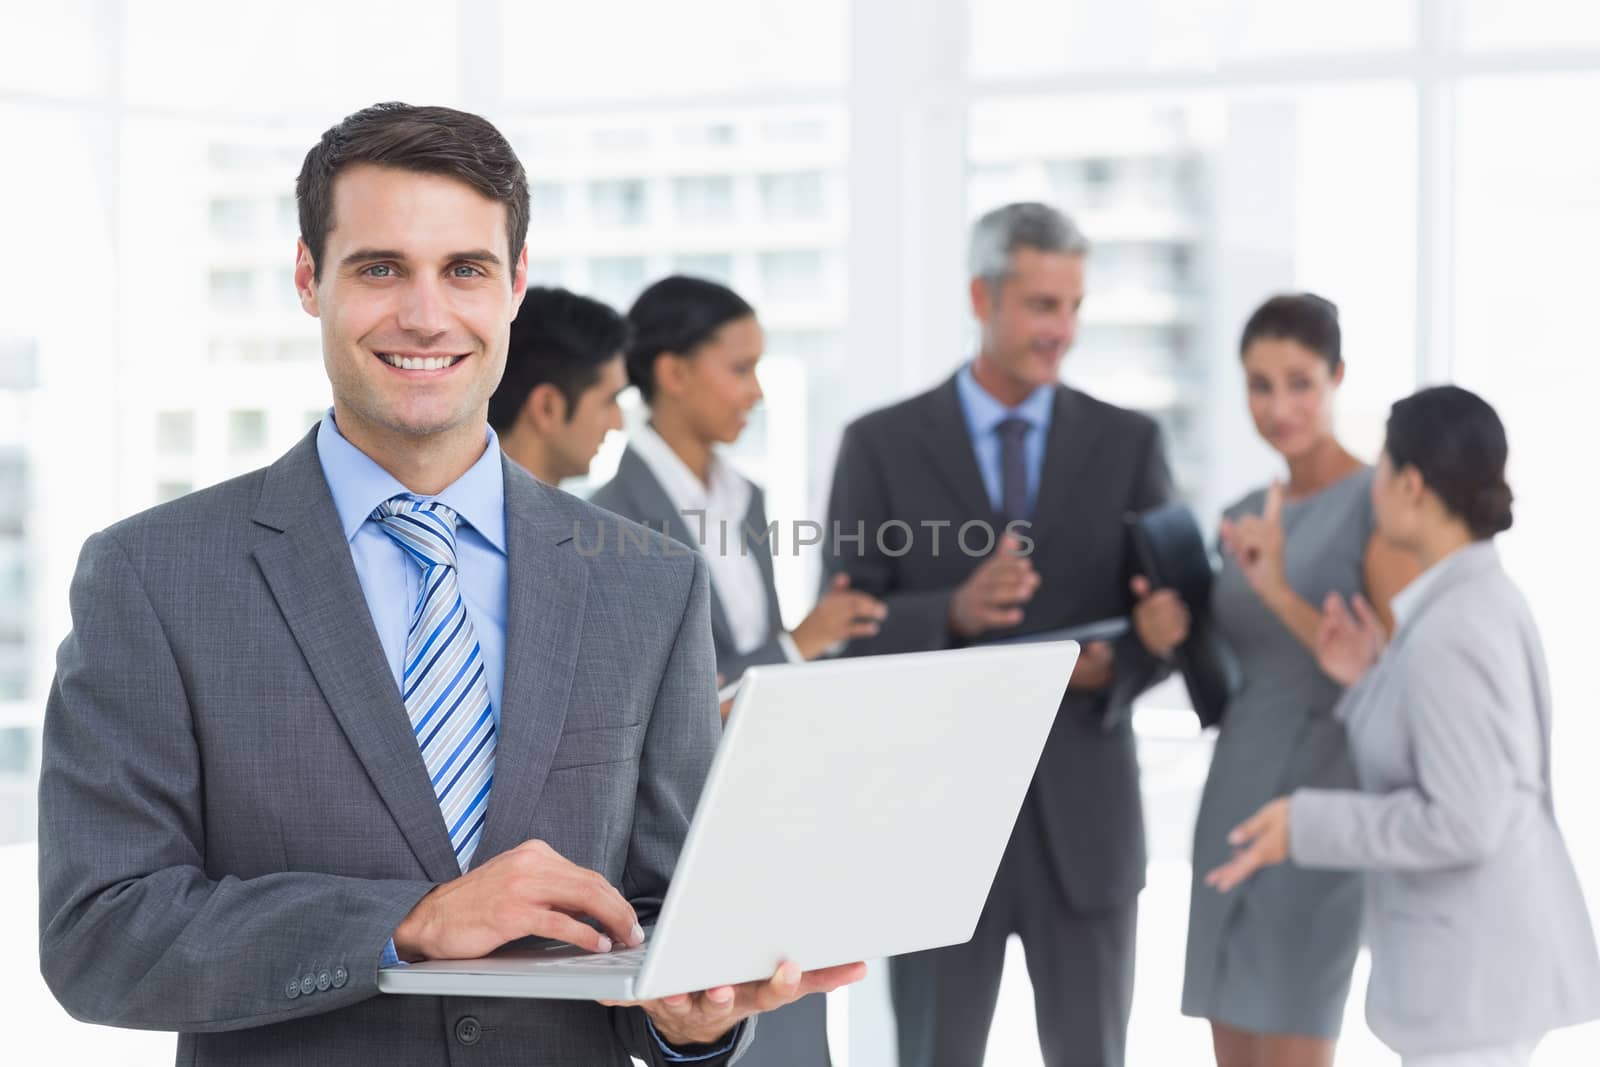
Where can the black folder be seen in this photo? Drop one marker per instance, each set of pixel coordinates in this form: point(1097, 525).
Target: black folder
point(1172, 554)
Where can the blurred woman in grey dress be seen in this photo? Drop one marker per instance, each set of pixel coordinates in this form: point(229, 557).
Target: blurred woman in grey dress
point(1481, 941)
point(1270, 966)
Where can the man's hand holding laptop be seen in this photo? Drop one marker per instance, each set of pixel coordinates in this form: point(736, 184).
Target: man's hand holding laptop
point(533, 891)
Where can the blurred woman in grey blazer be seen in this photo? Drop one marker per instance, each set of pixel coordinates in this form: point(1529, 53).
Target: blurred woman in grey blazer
point(693, 357)
point(1481, 942)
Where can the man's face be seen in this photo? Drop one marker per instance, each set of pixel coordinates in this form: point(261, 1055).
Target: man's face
point(416, 300)
point(575, 441)
point(1031, 318)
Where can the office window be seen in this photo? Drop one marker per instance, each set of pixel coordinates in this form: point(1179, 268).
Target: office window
point(617, 279)
point(19, 363)
point(791, 275)
point(1495, 25)
point(703, 200)
point(546, 272)
point(302, 350)
point(617, 203)
point(175, 433)
point(547, 203)
point(287, 216)
point(708, 134)
point(792, 197)
point(172, 490)
point(247, 431)
point(1025, 38)
point(810, 346)
point(233, 218)
point(718, 268)
point(232, 290)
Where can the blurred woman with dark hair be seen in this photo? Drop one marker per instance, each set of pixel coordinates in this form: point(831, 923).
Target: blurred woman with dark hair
point(1481, 942)
point(1272, 1002)
point(693, 357)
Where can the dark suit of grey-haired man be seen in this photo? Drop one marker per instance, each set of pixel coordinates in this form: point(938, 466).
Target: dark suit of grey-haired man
point(924, 494)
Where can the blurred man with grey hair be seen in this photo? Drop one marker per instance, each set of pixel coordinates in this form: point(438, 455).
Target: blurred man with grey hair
point(1014, 487)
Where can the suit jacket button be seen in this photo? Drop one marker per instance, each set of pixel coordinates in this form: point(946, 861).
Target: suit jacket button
point(468, 1030)
point(294, 988)
point(308, 985)
point(340, 977)
point(324, 981)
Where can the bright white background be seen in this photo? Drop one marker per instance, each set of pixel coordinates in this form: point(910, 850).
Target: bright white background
point(1429, 165)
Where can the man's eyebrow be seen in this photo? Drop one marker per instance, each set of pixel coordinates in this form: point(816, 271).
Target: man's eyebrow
point(374, 255)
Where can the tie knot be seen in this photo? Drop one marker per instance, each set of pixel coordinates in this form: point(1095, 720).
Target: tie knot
point(1013, 428)
point(426, 529)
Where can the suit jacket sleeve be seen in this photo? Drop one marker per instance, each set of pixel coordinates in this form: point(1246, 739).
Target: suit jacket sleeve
point(679, 743)
point(134, 931)
point(1460, 807)
point(858, 506)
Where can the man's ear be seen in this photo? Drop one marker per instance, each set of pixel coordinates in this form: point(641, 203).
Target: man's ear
point(546, 407)
point(305, 279)
point(983, 299)
point(519, 281)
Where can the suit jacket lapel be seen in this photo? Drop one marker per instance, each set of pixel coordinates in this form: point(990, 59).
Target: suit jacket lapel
point(948, 442)
point(309, 570)
point(545, 605)
point(755, 518)
point(650, 499)
point(1067, 454)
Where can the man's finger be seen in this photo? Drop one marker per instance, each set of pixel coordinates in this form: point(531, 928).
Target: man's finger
point(1140, 586)
point(578, 891)
point(840, 581)
point(558, 927)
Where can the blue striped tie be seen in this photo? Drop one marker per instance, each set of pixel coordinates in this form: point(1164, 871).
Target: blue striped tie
point(445, 690)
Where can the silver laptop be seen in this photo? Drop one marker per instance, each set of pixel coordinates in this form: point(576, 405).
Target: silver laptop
point(856, 809)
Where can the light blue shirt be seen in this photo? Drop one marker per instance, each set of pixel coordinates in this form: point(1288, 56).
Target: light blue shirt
point(392, 581)
point(983, 413)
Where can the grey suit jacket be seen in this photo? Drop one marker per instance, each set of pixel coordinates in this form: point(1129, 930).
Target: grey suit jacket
point(914, 462)
point(635, 494)
point(234, 815)
point(1477, 924)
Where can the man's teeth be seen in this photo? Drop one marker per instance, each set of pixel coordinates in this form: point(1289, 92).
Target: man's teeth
point(410, 363)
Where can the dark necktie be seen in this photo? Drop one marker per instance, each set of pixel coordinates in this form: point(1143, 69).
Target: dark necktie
point(1013, 468)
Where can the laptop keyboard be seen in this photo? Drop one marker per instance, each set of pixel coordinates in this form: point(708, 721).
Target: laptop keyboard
point(622, 959)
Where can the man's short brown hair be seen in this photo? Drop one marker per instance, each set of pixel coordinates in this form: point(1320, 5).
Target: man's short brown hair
point(430, 140)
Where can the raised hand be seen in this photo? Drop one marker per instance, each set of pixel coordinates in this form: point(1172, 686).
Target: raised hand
point(1349, 644)
point(1260, 841)
point(1256, 544)
point(993, 596)
point(841, 614)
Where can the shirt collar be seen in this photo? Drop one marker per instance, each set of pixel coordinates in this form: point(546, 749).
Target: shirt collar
point(359, 485)
point(1405, 603)
point(683, 487)
point(984, 412)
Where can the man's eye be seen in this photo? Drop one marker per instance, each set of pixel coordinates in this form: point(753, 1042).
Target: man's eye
point(466, 270)
point(380, 270)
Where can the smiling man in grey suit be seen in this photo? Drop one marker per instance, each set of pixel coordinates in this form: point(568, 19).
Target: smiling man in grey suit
point(369, 705)
point(920, 494)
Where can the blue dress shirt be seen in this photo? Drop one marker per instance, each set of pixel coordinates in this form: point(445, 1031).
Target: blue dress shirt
point(983, 413)
point(392, 580)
